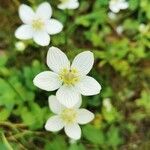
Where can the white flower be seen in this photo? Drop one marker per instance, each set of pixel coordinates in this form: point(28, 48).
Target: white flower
point(67, 118)
point(68, 4)
point(119, 30)
point(107, 104)
point(37, 25)
point(70, 80)
point(143, 28)
point(112, 15)
point(20, 46)
point(117, 5)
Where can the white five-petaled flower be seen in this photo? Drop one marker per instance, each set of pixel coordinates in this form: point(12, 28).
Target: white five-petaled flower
point(37, 25)
point(67, 118)
point(68, 4)
point(117, 5)
point(70, 80)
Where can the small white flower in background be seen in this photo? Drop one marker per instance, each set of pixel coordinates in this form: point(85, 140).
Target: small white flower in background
point(143, 28)
point(119, 30)
point(117, 5)
point(107, 104)
point(70, 80)
point(67, 118)
point(68, 4)
point(112, 15)
point(20, 46)
point(37, 25)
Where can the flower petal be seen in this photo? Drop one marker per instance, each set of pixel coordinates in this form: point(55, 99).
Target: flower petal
point(68, 96)
point(44, 11)
point(54, 26)
point(54, 124)
point(57, 60)
point(83, 62)
point(24, 32)
point(73, 131)
point(79, 103)
point(47, 80)
point(114, 8)
point(72, 4)
point(42, 38)
point(124, 5)
point(54, 104)
point(26, 13)
point(84, 116)
point(88, 86)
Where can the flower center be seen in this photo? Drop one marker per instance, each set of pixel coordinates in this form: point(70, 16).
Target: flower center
point(69, 77)
point(68, 115)
point(37, 24)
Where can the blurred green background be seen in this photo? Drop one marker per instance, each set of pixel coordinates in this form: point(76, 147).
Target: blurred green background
point(122, 66)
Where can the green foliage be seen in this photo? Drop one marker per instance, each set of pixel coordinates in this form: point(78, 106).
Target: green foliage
point(122, 66)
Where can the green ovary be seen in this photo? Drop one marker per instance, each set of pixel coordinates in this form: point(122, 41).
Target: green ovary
point(37, 24)
point(69, 115)
point(69, 77)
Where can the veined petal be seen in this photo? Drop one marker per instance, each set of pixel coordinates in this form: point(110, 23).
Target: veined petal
point(88, 86)
point(24, 32)
point(73, 131)
point(57, 60)
point(79, 103)
point(42, 38)
point(83, 62)
point(47, 80)
point(54, 105)
point(68, 96)
point(84, 116)
point(44, 11)
point(26, 13)
point(54, 26)
point(54, 124)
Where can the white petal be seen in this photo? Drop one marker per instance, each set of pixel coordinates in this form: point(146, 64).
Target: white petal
point(57, 60)
point(83, 62)
point(26, 13)
point(44, 11)
point(41, 38)
point(24, 32)
point(84, 116)
point(54, 105)
point(68, 96)
point(62, 6)
point(54, 26)
point(89, 86)
point(124, 5)
point(54, 124)
point(114, 8)
point(73, 131)
point(47, 80)
point(79, 103)
point(72, 4)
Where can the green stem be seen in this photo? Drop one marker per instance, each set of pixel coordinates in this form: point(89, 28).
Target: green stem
point(6, 142)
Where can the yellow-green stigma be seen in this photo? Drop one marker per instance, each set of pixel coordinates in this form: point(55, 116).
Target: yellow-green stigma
point(69, 77)
point(69, 115)
point(37, 24)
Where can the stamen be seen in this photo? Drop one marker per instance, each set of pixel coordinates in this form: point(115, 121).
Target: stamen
point(69, 115)
point(37, 24)
point(69, 77)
